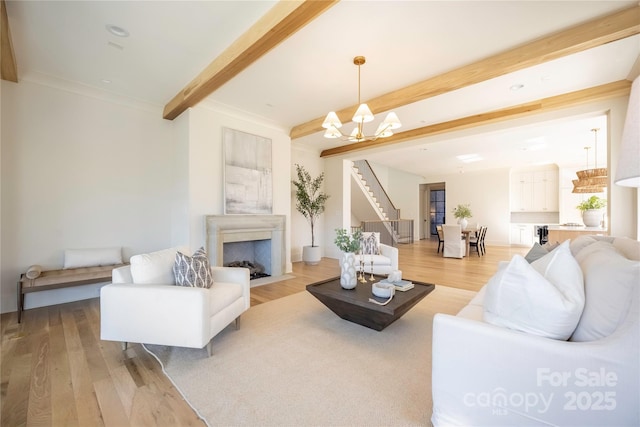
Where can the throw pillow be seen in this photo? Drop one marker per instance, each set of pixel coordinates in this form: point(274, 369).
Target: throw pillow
point(193, 271)
point(154, 267)
point(609, 281)
point(630, 248)
point(370, 245)
point(544, 298)
point(537, 251)
point(551, 246)
point(581, 242)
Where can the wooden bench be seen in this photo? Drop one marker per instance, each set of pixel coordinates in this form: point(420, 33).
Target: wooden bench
point(57, 279)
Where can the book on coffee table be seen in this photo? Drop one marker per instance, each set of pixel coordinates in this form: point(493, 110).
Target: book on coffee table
point(401, 285)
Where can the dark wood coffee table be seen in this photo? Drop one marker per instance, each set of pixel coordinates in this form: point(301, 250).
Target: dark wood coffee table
point(353, 305)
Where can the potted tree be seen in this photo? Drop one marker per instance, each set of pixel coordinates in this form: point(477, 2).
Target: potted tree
point(462, 212)
point(592, 210)
point(310, 202)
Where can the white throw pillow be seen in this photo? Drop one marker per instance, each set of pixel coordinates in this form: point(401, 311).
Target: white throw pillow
point(609, 279)
point(155, 267)
point(76, 258)
point(544, 298)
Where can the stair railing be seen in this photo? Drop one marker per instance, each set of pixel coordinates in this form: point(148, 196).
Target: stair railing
point(391, 232)
point(369, 176)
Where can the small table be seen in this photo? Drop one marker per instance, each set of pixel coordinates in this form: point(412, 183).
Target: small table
point(353, 304)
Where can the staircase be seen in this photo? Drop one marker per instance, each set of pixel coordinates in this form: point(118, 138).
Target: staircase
point(387, 213)
point(374, 190)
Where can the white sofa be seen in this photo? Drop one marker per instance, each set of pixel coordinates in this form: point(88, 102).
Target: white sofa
point(165, 314)
point(489, 375)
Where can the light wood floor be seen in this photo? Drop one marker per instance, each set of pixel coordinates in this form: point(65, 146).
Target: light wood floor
point(56, 371)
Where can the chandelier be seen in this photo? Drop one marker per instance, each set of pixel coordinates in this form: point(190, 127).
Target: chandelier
point(363, 115)
point(591, 180)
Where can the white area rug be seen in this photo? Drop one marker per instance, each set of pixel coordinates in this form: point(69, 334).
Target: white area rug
point(294, 363)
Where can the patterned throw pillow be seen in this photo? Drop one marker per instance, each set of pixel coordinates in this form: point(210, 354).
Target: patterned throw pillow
point(193, 271)
point(370, 245)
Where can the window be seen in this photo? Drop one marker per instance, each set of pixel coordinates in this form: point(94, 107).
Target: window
point(436, 209)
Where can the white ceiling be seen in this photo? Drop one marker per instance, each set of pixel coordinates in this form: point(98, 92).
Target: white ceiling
point(312, 72)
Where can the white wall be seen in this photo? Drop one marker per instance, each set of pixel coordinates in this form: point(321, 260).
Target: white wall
point(312, 162)
point(206, 168)
point(338, 207)
point(403, 189)
point(82, 169)
point(488, 195)
point(79, 172)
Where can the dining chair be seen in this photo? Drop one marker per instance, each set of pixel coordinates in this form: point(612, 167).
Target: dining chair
point(440, 238)
point(454, 244)
point(478, 241)
point(481, 242)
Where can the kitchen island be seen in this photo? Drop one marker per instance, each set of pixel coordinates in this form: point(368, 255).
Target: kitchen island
point(560, 233)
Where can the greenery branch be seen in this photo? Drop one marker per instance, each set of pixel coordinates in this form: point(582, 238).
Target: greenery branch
point(309, 199)
point(348, 242)
point(462, 211)
point(593, 202)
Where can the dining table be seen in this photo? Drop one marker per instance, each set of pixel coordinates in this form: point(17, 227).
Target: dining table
point(466, 232)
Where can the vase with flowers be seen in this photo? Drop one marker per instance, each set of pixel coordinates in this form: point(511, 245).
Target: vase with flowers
point(592, 211)
point(349, 244)
point(462, 212)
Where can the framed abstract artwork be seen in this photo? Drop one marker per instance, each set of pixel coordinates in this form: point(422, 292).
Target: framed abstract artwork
point(248, 182)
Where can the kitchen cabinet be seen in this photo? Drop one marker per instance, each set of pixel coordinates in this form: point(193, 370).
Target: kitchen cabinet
point(522, 234)
point(534, 191)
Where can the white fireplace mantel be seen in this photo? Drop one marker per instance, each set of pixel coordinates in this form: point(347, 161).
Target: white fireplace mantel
point(223, 229)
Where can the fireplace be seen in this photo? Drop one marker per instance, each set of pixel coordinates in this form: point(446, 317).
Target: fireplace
point(257, 239)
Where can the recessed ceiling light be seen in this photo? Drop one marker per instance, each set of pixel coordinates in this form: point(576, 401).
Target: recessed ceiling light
point(105, 81)
point(117, 31)
point(516, 87)
point(469, 158)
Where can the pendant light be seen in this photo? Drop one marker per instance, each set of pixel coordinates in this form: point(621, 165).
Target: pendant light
point(363, 115)
point(591, 180)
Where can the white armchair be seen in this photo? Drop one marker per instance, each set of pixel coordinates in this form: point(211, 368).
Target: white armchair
point(454, 244)
point(165, 314)
point(382, 261)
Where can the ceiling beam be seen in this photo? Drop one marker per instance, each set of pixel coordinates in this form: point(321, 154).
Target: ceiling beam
point(576, 39)
point(279, 23)
point(9, 68)
point(606, 91)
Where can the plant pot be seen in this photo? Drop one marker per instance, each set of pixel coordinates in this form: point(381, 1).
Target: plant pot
point(463, 223)
point(592, 217)
point(348, 274)
point(311, 255)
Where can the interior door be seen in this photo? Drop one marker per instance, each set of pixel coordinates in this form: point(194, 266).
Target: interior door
point(437, 209)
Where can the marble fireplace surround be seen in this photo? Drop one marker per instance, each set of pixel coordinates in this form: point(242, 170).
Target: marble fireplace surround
point(223, 229)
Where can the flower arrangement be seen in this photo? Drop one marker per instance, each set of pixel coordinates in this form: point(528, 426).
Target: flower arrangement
point(462, 212)
point(348, 242)
point(593, 202)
